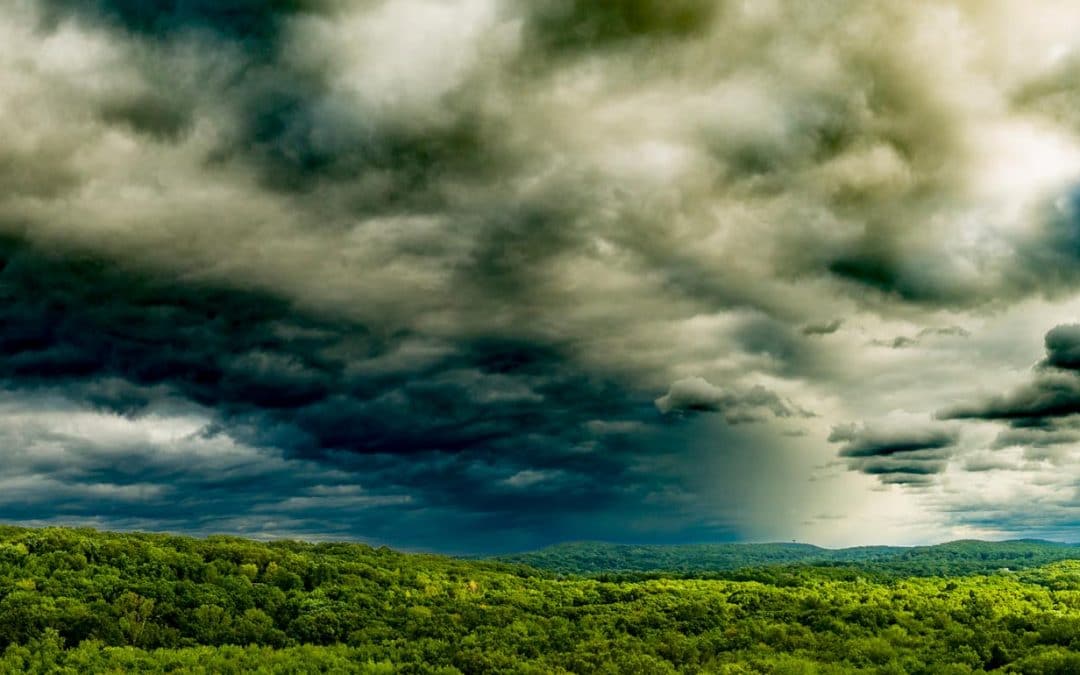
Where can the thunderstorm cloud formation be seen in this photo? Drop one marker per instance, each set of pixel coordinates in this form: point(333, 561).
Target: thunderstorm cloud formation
point(482, 275)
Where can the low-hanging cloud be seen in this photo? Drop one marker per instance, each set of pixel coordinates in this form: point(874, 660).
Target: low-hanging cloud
point(1053, 392)
point(904, 455)
point(695, 394)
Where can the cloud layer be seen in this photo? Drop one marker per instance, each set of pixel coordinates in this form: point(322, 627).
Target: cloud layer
point(636, 266)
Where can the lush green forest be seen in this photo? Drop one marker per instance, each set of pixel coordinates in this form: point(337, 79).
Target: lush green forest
point(958, 557)
point(78, 601)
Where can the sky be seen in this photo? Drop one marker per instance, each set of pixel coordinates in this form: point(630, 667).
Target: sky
point(478, 276)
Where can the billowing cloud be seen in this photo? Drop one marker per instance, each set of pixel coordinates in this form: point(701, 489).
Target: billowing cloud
point(878, 442)
point(455, 261)
point(903, 455)
point(1063, 347)
point(695, 394)
point(1053, 392)
point(1050, 395)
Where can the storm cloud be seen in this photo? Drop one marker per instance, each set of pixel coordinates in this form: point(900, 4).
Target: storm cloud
point(906, 455)
point(448, 266)
point(1053, 392)
point(694, 394)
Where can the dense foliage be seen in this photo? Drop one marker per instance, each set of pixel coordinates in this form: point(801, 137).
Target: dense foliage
point(958, 557)
point(79, 601)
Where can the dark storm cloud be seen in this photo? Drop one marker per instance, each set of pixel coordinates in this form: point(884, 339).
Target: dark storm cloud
point(161, 471)
point(877, 271)
point(582, 25)
point(302, 121)
point(257, 21)
point(775, 340)
point(297, 129)
point(70, 318)
point(461, 252)
point(1063, 347)
point(153, 114)
point(1052, 394)
point(322, 383)
point(1043, 262)
point(464, 423)
point(903, 455)
point(781, 348)
point(486, 426)
point(65, 464)
point(863, 441)
point(298, 136)
point(289, 125)
point(1048, 259)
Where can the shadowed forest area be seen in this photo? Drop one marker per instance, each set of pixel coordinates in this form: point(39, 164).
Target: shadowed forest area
point(957, 557)
point(76, 601)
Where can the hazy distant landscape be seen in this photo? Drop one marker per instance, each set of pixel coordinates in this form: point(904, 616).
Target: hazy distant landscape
point(958, 557)
point(76, 600)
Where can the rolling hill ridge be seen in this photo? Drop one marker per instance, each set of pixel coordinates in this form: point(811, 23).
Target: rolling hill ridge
point(956, 557)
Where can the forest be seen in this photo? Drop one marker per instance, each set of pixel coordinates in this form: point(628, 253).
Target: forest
point(82, 601)
point(957, 557)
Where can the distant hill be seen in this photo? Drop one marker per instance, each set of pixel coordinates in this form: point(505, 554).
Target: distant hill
point(957, 557)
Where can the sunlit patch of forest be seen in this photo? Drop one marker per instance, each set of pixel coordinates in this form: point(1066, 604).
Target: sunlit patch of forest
point(79, 601)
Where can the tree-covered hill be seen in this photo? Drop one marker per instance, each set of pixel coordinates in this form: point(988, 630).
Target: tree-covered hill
point(598, 557)
point(80, 601)
point(958, 557)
